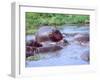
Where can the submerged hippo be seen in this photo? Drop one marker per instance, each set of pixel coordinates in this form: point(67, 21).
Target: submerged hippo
point(32, 47)
point(82, 39)
point(85, 56)
point(49, 49)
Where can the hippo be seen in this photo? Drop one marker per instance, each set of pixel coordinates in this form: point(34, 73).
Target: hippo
point(50, 49)
point(49, 34)
point(42, 34)
point(46, 40)
point(29, 51)
point(56, 36)
point(32, 47)
point(85, 56)
point(82, 39)
point(33, 43)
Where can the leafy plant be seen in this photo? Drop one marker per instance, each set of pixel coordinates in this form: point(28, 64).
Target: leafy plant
point(35, 20)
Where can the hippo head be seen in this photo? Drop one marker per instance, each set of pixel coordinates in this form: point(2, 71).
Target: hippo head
point(55, 36)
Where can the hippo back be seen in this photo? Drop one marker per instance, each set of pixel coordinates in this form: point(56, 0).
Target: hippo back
point(42, 34)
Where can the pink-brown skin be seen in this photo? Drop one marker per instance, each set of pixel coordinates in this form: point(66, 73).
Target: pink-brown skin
point(56, 36)
point(82, 39)
point(31, 47)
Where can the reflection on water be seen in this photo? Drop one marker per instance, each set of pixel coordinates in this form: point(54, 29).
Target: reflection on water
point(70, 54)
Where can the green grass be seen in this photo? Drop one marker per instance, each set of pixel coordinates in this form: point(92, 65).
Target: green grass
point(33, 58)
point(36, 20)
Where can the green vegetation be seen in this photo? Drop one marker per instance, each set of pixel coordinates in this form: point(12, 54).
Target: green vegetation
point(33, 58)
point(36, 20)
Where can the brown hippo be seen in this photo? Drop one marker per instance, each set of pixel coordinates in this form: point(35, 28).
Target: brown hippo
point(32, 47)
point(49, 34)
point(42, 34)
point(82, 39)
point(45, 41)
point(33, 43)
point(50, 49)
point(56, 36)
